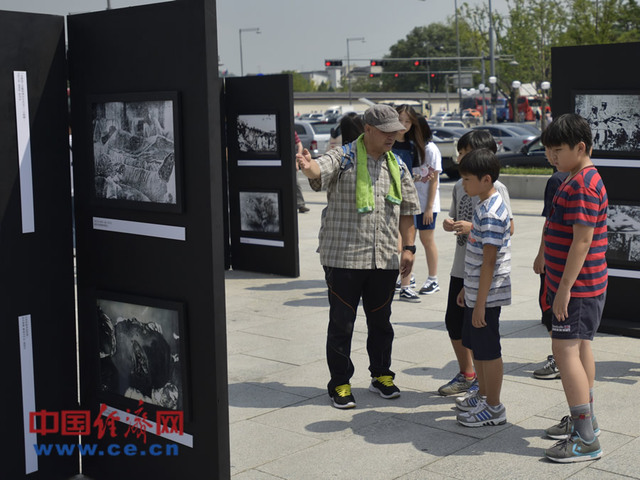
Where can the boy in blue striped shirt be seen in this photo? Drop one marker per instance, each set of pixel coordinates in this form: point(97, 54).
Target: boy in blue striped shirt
point(487, 287)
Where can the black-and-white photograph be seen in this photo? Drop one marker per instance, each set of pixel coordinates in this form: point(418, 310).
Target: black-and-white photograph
point(614, 119)
point(134, 151)
point(140, 352)
point(258, 134)
point(623, 223)
point(260, 212)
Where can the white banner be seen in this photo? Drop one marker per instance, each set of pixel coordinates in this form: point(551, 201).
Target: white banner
point(24, 151)
point(28, 392)
point(139, 228)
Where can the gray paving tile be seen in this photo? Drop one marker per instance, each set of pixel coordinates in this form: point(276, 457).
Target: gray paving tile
point(386, 449)
point(253, 445)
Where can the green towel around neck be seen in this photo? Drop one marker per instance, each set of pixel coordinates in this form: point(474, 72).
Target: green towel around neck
point(364, 189)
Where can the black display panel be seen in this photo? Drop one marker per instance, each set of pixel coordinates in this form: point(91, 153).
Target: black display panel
point(150, 253)
point(262, 196)
point(609, 98)
point(37, 305)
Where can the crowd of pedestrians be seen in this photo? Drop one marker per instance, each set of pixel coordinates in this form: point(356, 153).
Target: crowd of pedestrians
point(382, 186)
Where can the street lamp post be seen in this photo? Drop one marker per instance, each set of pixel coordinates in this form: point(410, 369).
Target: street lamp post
point(492, 81)
point(515, 85)
point(455, 5)
point(354, 39)
point(543, 115)
point(257, 30)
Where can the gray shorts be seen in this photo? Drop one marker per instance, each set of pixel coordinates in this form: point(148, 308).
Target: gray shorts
point(585, 314)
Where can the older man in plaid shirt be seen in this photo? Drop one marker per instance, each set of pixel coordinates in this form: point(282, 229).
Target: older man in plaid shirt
point(371, 199)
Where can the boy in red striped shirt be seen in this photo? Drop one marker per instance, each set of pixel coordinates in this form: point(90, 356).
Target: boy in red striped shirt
point(575, 242)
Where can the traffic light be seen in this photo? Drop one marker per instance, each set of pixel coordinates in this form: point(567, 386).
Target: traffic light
point(418, 63)
point(433, 75)
point(333, 63)
point(373, 75)
point(377, 63)
point(396, 75)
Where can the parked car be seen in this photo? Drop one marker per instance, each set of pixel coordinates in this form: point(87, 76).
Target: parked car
point(449, 151)
point(453, 123)
point(511, 138)
point(529, 155)
point(529, 127)
point(314, 136)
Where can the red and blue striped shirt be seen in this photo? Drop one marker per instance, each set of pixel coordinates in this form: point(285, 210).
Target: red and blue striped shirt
point(583, 200)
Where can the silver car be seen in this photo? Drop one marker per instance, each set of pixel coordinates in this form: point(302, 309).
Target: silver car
point(512, 138)
point(314, 136)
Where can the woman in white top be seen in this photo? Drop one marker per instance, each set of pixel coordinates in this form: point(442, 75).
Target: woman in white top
point(428, 187)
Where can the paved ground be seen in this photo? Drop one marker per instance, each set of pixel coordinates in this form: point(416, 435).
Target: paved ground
point(282, 424)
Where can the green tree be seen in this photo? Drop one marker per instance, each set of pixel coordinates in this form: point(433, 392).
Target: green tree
point(628, 23)
point(300, 84)
point(431, 41)
point(532, 28)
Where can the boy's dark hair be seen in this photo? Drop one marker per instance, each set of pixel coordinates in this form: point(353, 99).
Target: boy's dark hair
point(476, 139)
point(570, 129)
point(480, 162)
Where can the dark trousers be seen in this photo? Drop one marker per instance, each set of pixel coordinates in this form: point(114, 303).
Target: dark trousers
point(346, 287)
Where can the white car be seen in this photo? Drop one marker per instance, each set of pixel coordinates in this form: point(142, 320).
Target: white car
point(314, 136)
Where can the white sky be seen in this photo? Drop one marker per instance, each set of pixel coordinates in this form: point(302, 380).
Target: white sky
point(295, 34)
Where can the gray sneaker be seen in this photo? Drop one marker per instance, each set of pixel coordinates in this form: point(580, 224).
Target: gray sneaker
point(458, 384)
point(549, 371)
point(429, 288)
point(574, 449)
point(409, 295)
point(564, 429)
point(469, 402)
point(482, 415)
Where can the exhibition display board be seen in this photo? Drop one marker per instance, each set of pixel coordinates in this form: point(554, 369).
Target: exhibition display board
point(145, 116)
point(601, 84)
point(37, 306)
point(262, 174)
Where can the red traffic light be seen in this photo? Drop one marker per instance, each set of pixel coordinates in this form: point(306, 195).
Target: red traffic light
point(374, 63)
point(327, 63)
point(433, 75)
point(396, 75)
point(416, 63)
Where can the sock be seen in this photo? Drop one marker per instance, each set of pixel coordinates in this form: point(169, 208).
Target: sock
point(582, 422)
point(432, 279)
point(591, 401)
point(469, 376)
point(495, 408)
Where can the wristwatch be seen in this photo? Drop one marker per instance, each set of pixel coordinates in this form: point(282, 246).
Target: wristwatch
point(411, 248)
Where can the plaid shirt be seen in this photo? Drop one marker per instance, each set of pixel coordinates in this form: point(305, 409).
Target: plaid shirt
point(366, 241)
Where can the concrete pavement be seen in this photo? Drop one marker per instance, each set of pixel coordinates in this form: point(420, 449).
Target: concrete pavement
point(283, 427)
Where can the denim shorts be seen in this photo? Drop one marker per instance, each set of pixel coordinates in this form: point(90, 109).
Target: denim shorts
point(485, 341)
point(585, 314)
point(418, 220)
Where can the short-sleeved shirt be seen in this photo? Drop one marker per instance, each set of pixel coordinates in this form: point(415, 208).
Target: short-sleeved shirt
point(462, 207)
point(490, 227)
point(433, 160)
point(369, 240)
point(550, 190)
point(583, 200)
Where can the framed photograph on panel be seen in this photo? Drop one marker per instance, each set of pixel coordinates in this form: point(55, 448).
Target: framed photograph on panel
point(136, 151)
point(623, 223)
point(260, 213)
point(142, 352)
point(257, 139)
point(614, 117)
